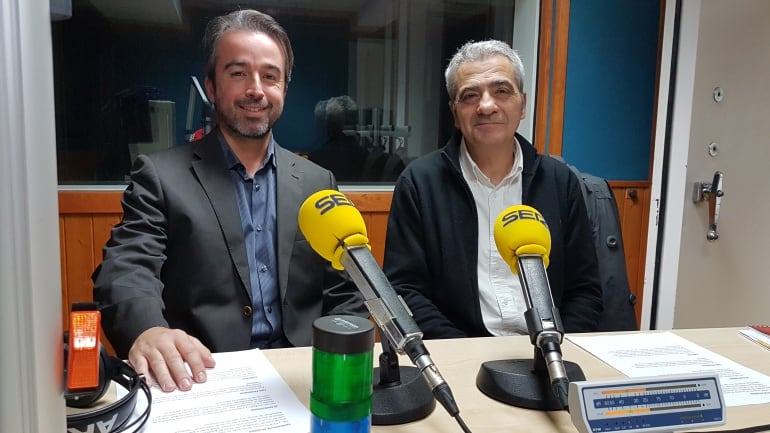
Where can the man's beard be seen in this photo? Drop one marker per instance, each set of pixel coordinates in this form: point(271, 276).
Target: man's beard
point(248, 131)
point(244, 127)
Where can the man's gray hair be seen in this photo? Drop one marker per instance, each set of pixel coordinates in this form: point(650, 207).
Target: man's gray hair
point(474, 51)
point(245, 20)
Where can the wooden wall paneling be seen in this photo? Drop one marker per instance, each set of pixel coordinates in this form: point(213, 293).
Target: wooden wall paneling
point(541, 97)
point(631, 238)
point(559, 80)
point(86, 218)
point(374, 206)
point(620, 197)
point(632, 213)
point(551, 76)
point(79, 249)
point(632, 204)
point(90, 202)
point(102, 227)
point(377, 228)
point(644, 198)
point(371, 201)
point(63, 259)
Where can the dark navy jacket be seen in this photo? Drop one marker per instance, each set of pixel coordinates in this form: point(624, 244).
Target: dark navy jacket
point(608, 240)
point(432, 243)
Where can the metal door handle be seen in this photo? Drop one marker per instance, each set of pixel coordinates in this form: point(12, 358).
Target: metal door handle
point(713, 193)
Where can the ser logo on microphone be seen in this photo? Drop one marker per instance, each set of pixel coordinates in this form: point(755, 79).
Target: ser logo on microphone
point(329, 202)
point(522, 214)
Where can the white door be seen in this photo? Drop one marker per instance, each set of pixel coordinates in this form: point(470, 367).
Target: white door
point(724, 45)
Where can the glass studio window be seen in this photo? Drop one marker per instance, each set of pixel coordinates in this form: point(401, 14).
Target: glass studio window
point(367, 94)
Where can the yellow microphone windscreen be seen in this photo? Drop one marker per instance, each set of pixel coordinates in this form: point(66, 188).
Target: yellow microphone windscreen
point(520, 230)
point(329, 220)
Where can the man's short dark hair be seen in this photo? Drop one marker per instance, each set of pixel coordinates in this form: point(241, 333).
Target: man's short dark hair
point(245, 20)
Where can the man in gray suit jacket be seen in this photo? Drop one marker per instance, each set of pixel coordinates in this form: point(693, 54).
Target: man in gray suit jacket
point(208, 256)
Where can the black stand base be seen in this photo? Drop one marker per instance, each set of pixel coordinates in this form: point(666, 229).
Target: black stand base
point(407, 400)
point(516, 382)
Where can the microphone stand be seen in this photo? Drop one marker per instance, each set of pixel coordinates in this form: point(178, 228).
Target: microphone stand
point(523, 382)
point(400, 395)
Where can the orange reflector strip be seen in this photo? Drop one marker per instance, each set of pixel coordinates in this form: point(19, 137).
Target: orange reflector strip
point(627, 411)
point(83, 352)
point(623, 391)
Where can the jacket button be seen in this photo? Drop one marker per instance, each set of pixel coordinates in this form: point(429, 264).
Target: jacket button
point(247, 310)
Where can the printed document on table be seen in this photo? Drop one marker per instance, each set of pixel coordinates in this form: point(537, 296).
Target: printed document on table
point(665, 353)
point(243, 393)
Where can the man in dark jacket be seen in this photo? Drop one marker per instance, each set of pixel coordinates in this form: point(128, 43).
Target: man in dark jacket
point(440, 252)
point(208, 256)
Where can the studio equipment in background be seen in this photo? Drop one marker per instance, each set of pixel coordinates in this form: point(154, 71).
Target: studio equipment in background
point(207, 112)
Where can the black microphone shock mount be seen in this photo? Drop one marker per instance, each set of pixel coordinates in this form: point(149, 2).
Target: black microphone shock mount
point(540, 383)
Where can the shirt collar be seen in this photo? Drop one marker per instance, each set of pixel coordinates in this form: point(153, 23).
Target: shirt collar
point(473, 171)
point(232, 161)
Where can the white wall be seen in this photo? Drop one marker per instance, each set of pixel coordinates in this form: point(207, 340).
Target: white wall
point(31, 398)
point(526, 29)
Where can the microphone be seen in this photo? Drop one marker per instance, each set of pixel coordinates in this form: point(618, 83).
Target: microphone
point(335, 230)
point(524, 242)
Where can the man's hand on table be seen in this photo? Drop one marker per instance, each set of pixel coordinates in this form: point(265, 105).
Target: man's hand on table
point(161, 354)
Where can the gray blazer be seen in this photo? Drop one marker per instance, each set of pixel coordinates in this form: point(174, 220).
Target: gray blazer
point(178, 257)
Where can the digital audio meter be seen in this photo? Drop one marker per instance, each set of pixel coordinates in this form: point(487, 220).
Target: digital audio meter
point(649, 404)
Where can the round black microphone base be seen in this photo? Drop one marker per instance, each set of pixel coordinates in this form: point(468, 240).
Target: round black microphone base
point(516, 382)
point(407, 400)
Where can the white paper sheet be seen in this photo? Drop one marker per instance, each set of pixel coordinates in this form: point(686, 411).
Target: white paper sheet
point(664, 353)
point(243, 393)
point(762, 339)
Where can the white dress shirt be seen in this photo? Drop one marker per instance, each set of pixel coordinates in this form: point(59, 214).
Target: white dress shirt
point(502, 303)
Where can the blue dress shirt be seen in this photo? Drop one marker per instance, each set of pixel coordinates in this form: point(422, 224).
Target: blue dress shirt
point(256, 198)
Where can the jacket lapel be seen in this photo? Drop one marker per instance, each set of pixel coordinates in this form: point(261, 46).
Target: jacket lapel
point(209, 167)
point(288, 199)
